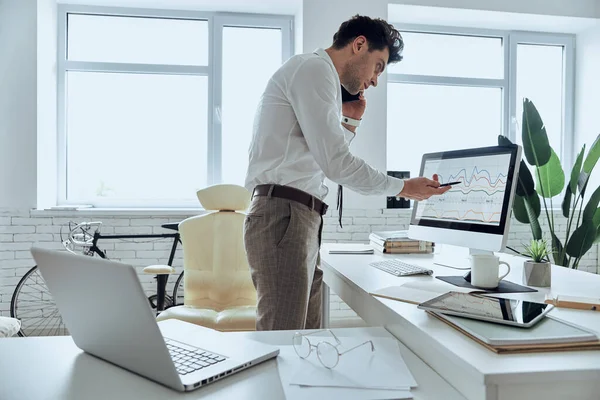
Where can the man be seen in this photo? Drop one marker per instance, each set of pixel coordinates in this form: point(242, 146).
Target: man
point(300, 137)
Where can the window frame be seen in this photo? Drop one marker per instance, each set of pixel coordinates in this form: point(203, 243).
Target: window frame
point(213, 71)
point(508, 84)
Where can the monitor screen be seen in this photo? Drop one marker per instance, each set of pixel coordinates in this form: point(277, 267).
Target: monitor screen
point(480, 200)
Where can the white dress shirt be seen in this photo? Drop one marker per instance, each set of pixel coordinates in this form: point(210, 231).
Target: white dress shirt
point(298, 138)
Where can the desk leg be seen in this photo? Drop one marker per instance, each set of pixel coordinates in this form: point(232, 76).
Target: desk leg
point(324, 306)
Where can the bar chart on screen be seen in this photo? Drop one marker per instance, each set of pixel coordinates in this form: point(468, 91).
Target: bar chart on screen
point(479, 196)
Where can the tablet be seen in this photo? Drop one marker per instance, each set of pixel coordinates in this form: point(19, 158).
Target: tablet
point(519, 313)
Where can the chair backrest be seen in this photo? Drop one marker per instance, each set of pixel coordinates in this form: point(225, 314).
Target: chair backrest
point(214, 258)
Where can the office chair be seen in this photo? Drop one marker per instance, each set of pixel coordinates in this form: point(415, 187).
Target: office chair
point(218, 289)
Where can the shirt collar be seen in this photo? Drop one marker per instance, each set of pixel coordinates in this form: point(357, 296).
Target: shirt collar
point(322, 53)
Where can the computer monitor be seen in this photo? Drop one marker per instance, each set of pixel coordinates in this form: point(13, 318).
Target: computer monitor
point(476, 212)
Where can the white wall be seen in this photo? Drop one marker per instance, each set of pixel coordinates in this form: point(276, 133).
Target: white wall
point(18, 108)
point(46, 103)
point(587, 94)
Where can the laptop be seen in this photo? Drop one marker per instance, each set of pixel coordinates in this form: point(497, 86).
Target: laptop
point(108, 315)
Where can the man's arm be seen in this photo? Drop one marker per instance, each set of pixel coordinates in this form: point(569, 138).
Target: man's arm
point(312, 94)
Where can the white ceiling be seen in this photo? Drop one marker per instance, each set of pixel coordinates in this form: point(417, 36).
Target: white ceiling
point(466, 18)
point(288, 7)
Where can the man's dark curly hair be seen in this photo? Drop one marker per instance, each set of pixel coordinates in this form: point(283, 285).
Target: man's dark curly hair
point(378, 32)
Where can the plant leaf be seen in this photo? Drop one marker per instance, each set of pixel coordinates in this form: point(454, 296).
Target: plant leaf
point(504, 141)
point(532, 206)
point(596, 221)
point(535, 140)
point(582, 239)
point(588, 166)
point(519, 210)
point(525, 185)
point(592, 157)
point(557, 249)
point(589, 212)
point(566, 204)
point(576, 170)
point(596, 218)
point(522, 212)
point(551, 179)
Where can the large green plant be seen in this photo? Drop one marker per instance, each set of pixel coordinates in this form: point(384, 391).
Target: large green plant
point(583, 223)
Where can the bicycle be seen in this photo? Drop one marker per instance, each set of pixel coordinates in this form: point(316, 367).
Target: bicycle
point(32, 303)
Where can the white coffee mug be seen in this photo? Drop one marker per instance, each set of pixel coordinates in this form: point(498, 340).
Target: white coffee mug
point(485, 269)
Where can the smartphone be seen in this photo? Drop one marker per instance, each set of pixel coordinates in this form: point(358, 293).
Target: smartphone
point(346, 96)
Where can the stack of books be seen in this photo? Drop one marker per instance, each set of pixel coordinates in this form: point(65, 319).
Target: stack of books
point(398, 242)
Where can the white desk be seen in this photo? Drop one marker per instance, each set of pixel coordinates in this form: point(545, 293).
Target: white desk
point(477, 373)
point(54, 368)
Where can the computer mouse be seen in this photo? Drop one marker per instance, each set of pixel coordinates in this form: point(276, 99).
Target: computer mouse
point(467, 276)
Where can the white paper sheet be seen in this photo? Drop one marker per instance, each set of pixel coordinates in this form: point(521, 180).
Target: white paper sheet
point(417, 292)
point(382, 369)
point(289, 363)
point(350, 248)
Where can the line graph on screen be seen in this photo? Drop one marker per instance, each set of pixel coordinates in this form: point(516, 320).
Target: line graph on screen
point(479, 196)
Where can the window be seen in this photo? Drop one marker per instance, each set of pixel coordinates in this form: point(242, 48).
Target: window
point(154, 105)
point(462, 88)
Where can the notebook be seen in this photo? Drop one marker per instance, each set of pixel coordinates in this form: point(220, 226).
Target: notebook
point(550, 334)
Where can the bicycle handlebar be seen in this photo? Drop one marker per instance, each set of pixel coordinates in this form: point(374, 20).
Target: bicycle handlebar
point(81, 236)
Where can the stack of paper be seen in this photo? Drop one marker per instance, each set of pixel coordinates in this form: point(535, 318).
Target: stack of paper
point(360, 373)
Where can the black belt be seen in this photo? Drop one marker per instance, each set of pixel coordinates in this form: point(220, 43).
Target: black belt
point(290, 193)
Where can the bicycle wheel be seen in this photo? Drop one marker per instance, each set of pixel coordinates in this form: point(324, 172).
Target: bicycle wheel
point(33, 305)
point(178, 291)
point(153, 299)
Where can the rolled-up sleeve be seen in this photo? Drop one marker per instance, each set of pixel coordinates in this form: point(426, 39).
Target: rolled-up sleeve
point(312, 93)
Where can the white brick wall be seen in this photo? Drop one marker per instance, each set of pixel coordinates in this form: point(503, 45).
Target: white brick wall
point(19, 230)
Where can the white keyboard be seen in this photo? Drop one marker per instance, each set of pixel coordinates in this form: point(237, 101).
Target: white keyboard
point(400, 268)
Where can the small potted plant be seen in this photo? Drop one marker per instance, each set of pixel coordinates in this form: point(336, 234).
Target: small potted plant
point(537, 271)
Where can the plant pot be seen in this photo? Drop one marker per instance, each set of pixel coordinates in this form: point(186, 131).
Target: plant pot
point(537, 273)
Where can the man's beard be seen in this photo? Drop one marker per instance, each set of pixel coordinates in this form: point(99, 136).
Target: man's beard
point(350, 79)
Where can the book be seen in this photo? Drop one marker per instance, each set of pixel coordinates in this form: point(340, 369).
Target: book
point(397, 236)
point(420, 248)
point(395, 239)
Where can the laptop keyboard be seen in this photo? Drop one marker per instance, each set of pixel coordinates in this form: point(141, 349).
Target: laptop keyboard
point(188, 359)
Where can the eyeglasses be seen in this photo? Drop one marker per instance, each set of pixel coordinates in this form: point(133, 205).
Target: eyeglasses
point(327, 353)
